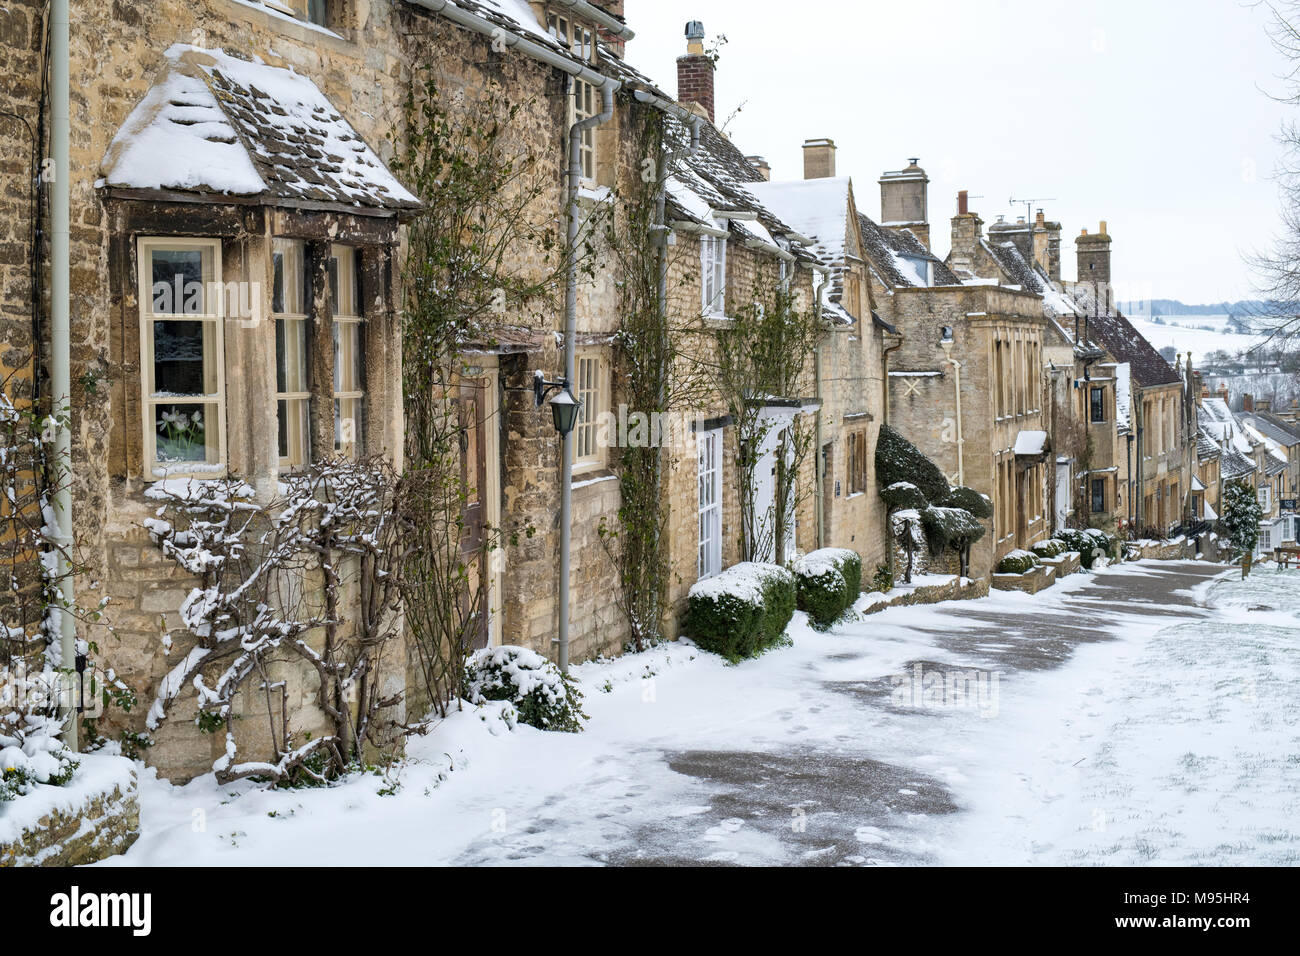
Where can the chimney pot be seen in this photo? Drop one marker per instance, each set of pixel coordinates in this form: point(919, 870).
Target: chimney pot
point(963, 202)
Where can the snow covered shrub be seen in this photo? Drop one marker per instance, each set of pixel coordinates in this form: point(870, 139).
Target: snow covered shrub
point(742, 611)
point(898, 460)
point(883, 579)
point(828, 581)
point(1241, 516)
point(1018, 562)
point(950, 527)
point(903, 495)
point(36, 760)
point(1091, 543)
point(542, 696)
point(1048, 548)
point(968, 499)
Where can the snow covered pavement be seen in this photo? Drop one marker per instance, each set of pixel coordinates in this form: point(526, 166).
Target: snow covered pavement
point(1149, 714)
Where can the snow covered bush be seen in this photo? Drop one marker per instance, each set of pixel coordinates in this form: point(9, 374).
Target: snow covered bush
point(828, 583)
point(1241, 517)
point(1018, 562)
point(903, 495)
point(742, 611)
point(883, 579)
point(898, 460)
point(968, 499)
point(542, 696)
point(36, 760)
point(1048, 548)
point(1091, 543)
point(950, 527)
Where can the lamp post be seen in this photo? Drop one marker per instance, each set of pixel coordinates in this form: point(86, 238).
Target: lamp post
point(564, 415)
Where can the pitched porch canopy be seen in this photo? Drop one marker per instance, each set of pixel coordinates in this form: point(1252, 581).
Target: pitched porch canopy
point(217, 127)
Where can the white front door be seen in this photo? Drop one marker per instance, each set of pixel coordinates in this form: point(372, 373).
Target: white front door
point(763, 534)
point(1063, 496)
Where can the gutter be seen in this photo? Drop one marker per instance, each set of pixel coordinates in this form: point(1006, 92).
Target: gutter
point(615, 27)
point(512, 41)
point(60, 351)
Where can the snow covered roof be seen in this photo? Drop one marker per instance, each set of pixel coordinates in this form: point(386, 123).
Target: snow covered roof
point(1123, 395)
point(1217, 421)
point(1275, 429)
point(1030, 442)
point(1113, 332)
point(816, 208)
point(215, 124)
point(897, 256)
point(1206, 446)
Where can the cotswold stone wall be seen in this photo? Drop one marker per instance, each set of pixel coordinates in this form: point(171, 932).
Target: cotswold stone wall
point(97, 815)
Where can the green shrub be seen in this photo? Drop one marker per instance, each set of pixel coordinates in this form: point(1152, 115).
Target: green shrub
point(968, 499)
point(947, 527)
point(828, 582)
point(883, 579)
point(1049, 548)
point(903, 495)
point(1091, 543)
point(50, 763)
point(1241, 517)
point(742, 611)
point(898, 460)
point(542, 696)
point(1017, 562)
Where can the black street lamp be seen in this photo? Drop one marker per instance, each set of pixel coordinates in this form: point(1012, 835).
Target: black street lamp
point(564, 407)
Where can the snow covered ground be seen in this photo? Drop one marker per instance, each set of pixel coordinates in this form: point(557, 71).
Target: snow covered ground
point(1198, 334)
point(1113, 719)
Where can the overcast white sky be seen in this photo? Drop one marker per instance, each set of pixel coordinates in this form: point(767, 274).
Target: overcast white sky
point(1146, 113)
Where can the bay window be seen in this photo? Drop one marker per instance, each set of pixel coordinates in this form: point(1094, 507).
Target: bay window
point(181, 356)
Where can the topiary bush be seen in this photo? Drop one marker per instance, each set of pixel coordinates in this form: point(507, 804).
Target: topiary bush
point(968, 499)
point(742, 611)
point(903, 495)
point(1048, 548)
point(542, 696)
point(1018, 562)
point(1241, 516)
point(828, 583)
point(946, 527)
point(898, 460)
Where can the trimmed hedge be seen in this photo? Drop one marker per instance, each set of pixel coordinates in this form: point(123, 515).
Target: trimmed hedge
point(1091, 543)
point(949, 526)
point(742, 611)
point(968, 499)
point(1049, 548)
point(903, 496)
point(1018, 562)
point(828, 582)
point(898, 460)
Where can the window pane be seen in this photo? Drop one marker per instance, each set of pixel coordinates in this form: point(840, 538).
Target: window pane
point(177, 281)
point(290, 355)
point(182, 432)
point(318, 12)
point(179, 352)
point(348, 425)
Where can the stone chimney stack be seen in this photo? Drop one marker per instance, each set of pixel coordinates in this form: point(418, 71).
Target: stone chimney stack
point(1223, 391)
point(905, 200)
point(967, 231)
point(762, 165)
point(1248, 402)
point(819, 159)
point(1047, 246)
point(695, 71)
point(1094, 256)
point(1263, 404)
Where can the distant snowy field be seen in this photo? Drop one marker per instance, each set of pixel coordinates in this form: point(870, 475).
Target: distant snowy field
point(1198, 334)
point(1123, 730)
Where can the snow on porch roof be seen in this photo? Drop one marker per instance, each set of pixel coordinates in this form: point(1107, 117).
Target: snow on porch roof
point(1030, 442)
point(216, 124)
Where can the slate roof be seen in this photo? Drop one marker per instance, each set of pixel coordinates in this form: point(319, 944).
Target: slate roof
point(1117, 336)
point(1272, 427)
point(884, 247)
point(215, 124)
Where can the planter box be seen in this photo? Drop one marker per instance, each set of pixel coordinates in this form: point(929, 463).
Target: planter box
point(97, 815)
point(1031, 582)
point(1067, 563)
